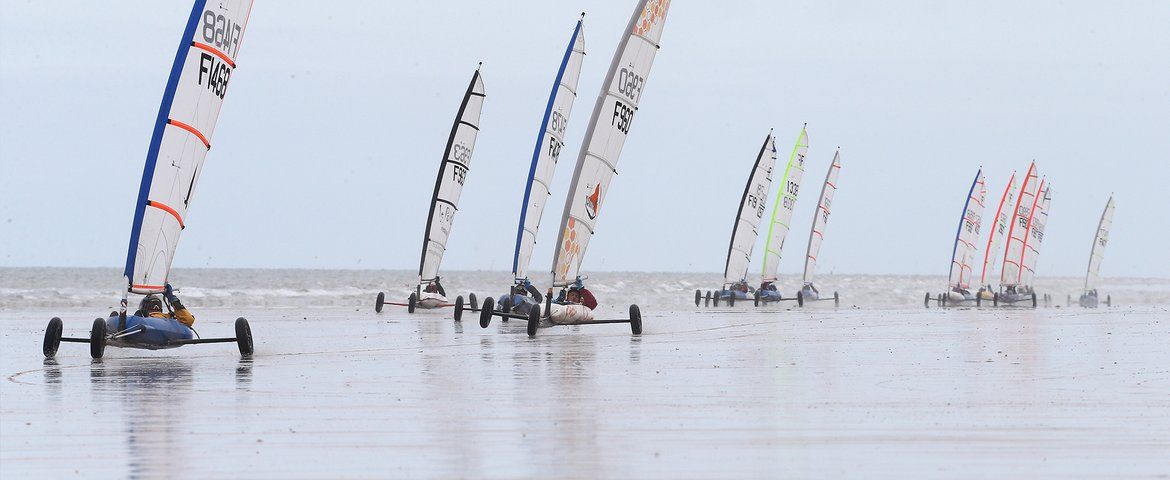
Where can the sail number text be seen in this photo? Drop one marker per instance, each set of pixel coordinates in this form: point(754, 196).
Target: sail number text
point(219, 31)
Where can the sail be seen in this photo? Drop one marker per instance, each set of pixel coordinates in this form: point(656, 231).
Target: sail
point(452, 173)
point(612, 117)
point(548, 149)
point(785, 203)
point(998, 230)
point(1009, 270)
point(821, 218)
point(182, 136)
point(1099, 242)
point(751, 211)
point(1036, 234)
point(963, 253)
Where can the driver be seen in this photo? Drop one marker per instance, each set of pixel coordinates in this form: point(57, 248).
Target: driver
point(580, 295)
point(434, 286)
point(152, 306)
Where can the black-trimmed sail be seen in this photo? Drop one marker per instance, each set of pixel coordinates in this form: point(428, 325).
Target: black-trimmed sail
point(449, 183)
point(182, 136)
point(752, 205)
point(612, 118)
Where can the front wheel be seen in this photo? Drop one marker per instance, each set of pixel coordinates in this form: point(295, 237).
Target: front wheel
point(756, 298)
point(800, 299)
point(411, 303)
point(926, 301)
point(379, 302)
point(97, 338)
point(707, 299)
point(635, 320)
point(995, 299)
point(698, 297)
point(471, 300)
point(836, 300)
point(244, 337)
point(533, 320)
point(731, 300)
point(485, 313)
point(459, 308)
point(52, 337)
point(1033, 299)
point(1108, 300)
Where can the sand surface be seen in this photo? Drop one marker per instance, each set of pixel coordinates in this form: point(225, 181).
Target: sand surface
point(339, 391)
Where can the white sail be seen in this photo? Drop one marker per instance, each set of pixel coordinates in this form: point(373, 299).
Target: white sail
point(612, 117)
point(1099, 242)
point(785, 203)
point(963, 253)
point(182, 137)
point(1013, 254)
point(821, 218)
point(449, 184)
point(1036, 234)
point(999, 230)
point(751, 212)
point(548, 149)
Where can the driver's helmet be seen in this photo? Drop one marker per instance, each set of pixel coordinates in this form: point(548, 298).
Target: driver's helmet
point(150, 303)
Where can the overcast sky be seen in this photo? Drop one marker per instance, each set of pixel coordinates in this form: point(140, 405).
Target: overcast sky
point(335, 121)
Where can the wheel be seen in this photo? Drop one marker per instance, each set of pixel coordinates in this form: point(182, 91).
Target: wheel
point(485, 313)
point(978, 299)
point(926, 301)
point(459, 308)
point(411, 303)
point(381, 301)
point(97, 338)
point(471, 299)
point(715, 298)
point(52, 337)
point(836, 300)
point(942, 301)
point(1068, 301)
point(731, 300)
point(995, 299)
point(635, 320)
point(698, 297)
point(1033, 299)
point(800, 299)
point(244, 337)
point(756, 299)
point(533, 320)
point(1108, 301)
point(506, 307)
point(707, 299)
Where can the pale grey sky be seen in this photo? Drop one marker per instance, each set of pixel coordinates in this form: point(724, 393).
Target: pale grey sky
point(335, 121)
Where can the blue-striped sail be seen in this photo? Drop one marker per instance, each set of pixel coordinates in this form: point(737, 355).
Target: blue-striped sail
point(182, 137)
point(548, 149)
point(967, 235)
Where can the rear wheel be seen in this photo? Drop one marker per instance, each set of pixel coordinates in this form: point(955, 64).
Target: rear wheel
point(836, 300)
point(97, 338)
point(707, 299)
point(52, 337)
point(411, 303)
point(635, 320)
point(979, 299)
point(731, 300)
point(1033, 299)
point(506, 308)
point(485, 313)
point(244, 337)
point(471, 300)
point(459, 308)
point(379, 302)
point(800, 299)
point(533, 320)
point(698, 297)
point(995, 299)
point(926, 301)
point(715, 298)
point(756, 298)
point(1108, 301)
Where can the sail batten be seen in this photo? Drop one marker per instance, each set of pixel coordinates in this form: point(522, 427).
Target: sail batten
point(453, 171)
point(816, 233)
point(605, 136)
point(181, 139)
point(752, 204)
point(784, 206)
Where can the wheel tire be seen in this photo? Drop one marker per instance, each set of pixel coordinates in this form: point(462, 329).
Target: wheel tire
point(411, 303)
point(715, 298)
point(995, 299)
point(756, 299)
point(1033, 299)
point(485, 313)
point(707, 299)
point(459, 308)
point(635, 320)
point(380, 302)
point(1108, 300)
point(52, 337)
point(97, 338)
point(533, 320)
point(731, 300)
point(800, 299)
point(926, 301)
point(698, 297)
point(472, 300)
point(836, 300)
point(244, 337)
point(978, 300)
point(506, 308)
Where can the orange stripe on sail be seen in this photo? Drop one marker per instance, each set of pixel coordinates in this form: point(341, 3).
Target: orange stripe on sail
point(166, 208)
point(191, 129)
point(147, 287)
point(214, 51)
